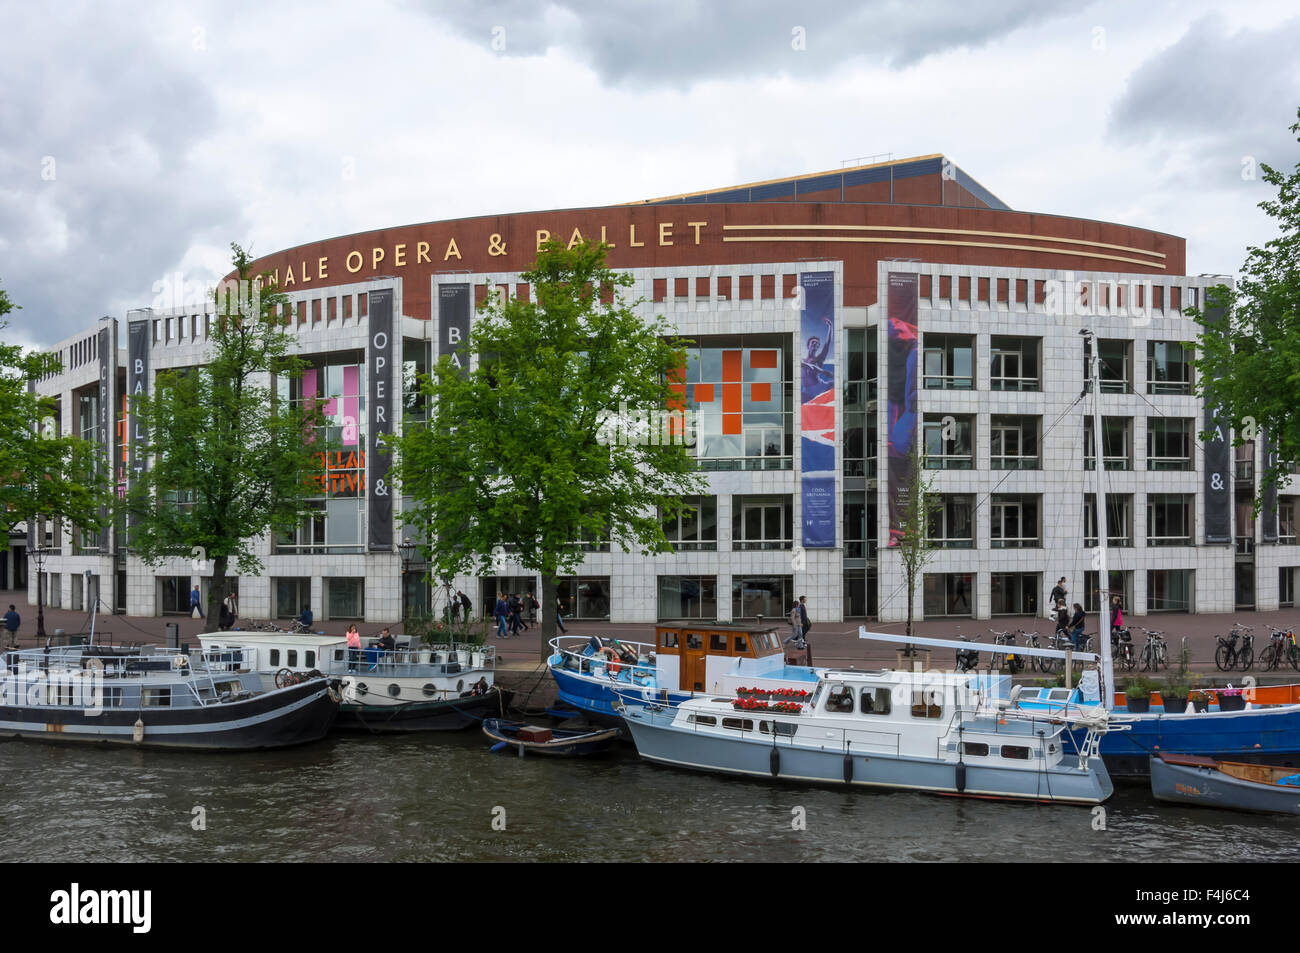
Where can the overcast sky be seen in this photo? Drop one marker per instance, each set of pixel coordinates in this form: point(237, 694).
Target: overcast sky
point(140, 139)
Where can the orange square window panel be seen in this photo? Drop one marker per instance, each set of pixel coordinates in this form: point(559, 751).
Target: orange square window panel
point(678, 400)
point(731, 401)
point(731, 365)
point(731, 424)
point(762, 359)
point(704, 393)
point(760, 393)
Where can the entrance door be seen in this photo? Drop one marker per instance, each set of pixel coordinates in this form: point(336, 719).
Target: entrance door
point(692, 660)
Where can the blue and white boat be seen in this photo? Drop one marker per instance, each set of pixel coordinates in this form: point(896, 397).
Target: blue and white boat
point(685, 660)
point(940, 732)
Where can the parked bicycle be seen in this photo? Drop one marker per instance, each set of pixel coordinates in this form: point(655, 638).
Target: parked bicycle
point(1281, 648)
point(967, 659)
point(1031, 642)
point(1228, 656)
point(1013, 663)
point(1155, 652)
point(1121, 648)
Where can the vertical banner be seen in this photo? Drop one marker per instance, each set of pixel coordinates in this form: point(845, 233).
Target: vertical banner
point(137, 385)
point(104, 434)
point(1218, 464)
point(901, 392)
point(1268, 508)
point(454, 307)
point(380, 350)
point(817, 413)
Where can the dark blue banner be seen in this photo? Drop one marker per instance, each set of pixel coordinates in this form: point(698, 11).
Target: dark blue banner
point(817, 411)
point(818, 512)
point(901, 391)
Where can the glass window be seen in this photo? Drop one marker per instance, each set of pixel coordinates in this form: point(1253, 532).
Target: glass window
point(275, 657)
point(876, 701)
point(345, 598)
point(1169, 590)
point(1119, 519)
point(669, 640)
point(762, 522)
point(1014, 522)
point(1116, 366)
point(948, 361)
point(1015, 752)
point(695, 527)
point(768, 596)
point(976, 748)
point(717, 642)
point(741, 392)
point(1118, 438)
point(291, 658)
point(1014, 364)
point(1169, 519)
point(1169, 368)
point(949, 594)
point(951, 525)
point(1169, 443)
point(1013, 442)
point(688, 597)
point(840, 699)
point(948, 442)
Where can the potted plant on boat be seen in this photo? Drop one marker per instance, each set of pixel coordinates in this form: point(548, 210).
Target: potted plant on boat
point(1179, 683)
point(1137, 694)
point(1200, 700)
point(1231, 699)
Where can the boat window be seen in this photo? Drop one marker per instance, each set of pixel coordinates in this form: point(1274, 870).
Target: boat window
point(921, 710)
point(744, 724)
point(876, 701)
point(694, 640)
point(429, 690)
point(275, 657)
point(338, 655)
point(778, 728)
point(840, 699)
point(292, 658)
point(977, 748)
point(156, 697)
point(742, 644)
point(817, 694)
point(717, 642)
point(708, 720)
point(1059, 694)
point(669, 640)
point(1018, 752)
point(112, 696)
point(310, 659)
point(233, 687)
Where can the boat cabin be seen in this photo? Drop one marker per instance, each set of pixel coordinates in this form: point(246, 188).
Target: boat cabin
point(693, 655)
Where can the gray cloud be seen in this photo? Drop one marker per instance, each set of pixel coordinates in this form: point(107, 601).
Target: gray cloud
point(1212, 100)
point(100, 127)
point(679, 42)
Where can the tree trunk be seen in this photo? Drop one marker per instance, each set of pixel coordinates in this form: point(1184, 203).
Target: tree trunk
point(216, 593)
point(550, 589)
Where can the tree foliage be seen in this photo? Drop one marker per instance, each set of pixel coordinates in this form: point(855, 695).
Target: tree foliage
point(43, 474)
point(230, 459)
point(517, 451)
point(916, 507)
point(1248, 363)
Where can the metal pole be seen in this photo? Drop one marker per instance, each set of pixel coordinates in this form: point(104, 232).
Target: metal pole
point(38, 555)
point(1103, 536)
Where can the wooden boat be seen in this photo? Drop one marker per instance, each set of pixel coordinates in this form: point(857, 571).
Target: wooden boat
point(533, 739)
point(1230, 785)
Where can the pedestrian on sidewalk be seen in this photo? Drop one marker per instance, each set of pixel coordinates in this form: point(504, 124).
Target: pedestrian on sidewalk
point(500, 613)
point(796, 627)
point(12, 621)
point(196, 602)
point(1059, 592)
point(560, 610)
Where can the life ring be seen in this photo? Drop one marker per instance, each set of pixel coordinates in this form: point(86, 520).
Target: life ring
point(614, 668)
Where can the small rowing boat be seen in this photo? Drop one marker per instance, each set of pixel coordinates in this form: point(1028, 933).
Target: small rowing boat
point(533, 739)
point(1230, 785)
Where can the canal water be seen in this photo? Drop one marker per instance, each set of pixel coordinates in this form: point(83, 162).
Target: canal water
point(448, 798)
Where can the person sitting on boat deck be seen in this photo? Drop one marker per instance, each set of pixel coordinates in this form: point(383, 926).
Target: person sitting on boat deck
point(386, 641)
point(354, 647)
point(480, 687)
point(1076, 627)
point(305, 620)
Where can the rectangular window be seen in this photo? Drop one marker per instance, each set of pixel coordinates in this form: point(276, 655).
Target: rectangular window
point(1117, 443)
point(1169, 590)
point(1016, 593)
point(1013, 442)
point(1016, 752)
point(292, 595)
point(1116, 366)
point(156, 697)
point(976, 749)
point(949, 594)
point(1169, 368)
point(1169, 519)
point(768, 596)
point(688, 597)
point(876, 701)
point(1014, 522)
point(1286, 524)
point(948, 442)
point(345, 598)
point(586, 597)
point(762, 522)
point(695, 527)
point(858, 543)
point(1286, 587)
point(1169, 443)
point(948, 361)
point(952, 525)
point(1014, 363)
point(1121, 584)
point(741, 393)
point(1119, 519)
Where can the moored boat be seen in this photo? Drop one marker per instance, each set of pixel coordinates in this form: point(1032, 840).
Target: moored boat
point(1206, 782)
point(534, 739)
point(945, 733)
point(150, 698)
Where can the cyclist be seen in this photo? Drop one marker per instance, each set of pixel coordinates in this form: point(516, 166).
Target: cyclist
point(1076, 627)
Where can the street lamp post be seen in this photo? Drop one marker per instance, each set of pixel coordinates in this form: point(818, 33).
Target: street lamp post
point(38, 557)
point(407, 549)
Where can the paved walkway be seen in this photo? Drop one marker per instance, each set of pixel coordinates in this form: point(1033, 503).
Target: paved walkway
point(833, 643)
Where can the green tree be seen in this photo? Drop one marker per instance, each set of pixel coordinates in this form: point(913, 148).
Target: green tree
point(917, 505)
point(519, 451)
point(230, 459)
point(1248, 362)
point(43, 475)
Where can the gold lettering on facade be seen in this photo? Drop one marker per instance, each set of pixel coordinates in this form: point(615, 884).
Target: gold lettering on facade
point(631, 238)
point(665, 233)
point(452, 250)
point(376, 256)
point(543, 236)
point(422, 252)
point(322, 267)
point(603, 240)
point(302, 267)
point(697, 226)
point(399, 255)
point(575, 238)
point(288, 276)
point(496, 247)
point(354, 269)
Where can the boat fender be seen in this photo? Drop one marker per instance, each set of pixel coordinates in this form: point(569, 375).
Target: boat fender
point(848, 768)
point(774, 763)
point(961, 777)
point(500, 746)
point(137, 732)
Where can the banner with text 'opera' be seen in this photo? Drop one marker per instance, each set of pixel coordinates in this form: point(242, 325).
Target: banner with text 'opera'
point(381, 350)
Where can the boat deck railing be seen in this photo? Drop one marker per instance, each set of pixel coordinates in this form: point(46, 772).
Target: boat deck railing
point(575, 659)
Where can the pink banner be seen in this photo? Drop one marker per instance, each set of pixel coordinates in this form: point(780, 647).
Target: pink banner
point(351, 391)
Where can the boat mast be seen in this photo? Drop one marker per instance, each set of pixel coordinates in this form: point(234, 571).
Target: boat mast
point(1103, 575)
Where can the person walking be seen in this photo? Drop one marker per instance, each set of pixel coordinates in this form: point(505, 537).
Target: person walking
point(560, 610)
point(1059, 592)
point(1116, 615)
point(12, 621)
point(807, 625)
point(516, 608)
point(796, 627)
point(500, 613)
point(196, 602)
point(465, 605)
point(532, 605)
